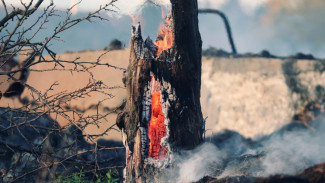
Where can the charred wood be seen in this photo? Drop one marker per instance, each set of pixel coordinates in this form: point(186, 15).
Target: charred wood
point(163, 112)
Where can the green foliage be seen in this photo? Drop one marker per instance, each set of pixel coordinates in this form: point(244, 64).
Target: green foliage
point(110, 177)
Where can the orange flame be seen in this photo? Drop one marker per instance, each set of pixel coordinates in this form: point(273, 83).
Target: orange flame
point(165, 37)
point(135, 19)
point(132, 17)
point(157, 128)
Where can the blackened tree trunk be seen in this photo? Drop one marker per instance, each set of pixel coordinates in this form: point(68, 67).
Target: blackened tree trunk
point(163, 112)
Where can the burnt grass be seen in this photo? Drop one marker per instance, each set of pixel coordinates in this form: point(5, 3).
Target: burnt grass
point(25, 147)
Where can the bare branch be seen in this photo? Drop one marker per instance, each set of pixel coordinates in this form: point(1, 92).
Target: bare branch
point(18, 11)
point(46, 144)
point(227, 25)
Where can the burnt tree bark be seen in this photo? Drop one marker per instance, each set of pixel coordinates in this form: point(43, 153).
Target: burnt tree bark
point(163, 111)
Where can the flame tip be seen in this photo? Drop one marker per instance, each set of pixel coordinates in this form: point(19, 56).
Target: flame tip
point(165, 37)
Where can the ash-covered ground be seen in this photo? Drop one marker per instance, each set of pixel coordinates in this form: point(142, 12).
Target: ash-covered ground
point(288, 151)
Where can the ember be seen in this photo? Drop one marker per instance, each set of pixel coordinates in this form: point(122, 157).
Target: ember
point(165, 37)
point(157, 129)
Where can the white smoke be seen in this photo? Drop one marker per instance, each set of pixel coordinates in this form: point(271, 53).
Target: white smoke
point(211, 3)
point(294, 151)
point(248, 5)
point(125, 5)
point(198, 163)
point(288, 151)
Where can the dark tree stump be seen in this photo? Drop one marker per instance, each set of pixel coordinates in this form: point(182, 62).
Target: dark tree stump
point(163, 111)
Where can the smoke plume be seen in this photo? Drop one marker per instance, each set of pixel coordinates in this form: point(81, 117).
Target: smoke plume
point(300, 23)
point(288, 151)
point(196, 164)
point(282, 27)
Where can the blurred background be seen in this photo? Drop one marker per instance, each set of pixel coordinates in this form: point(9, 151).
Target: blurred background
point(282, 27)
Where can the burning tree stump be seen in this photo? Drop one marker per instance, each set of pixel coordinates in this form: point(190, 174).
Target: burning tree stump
point(163, 111)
